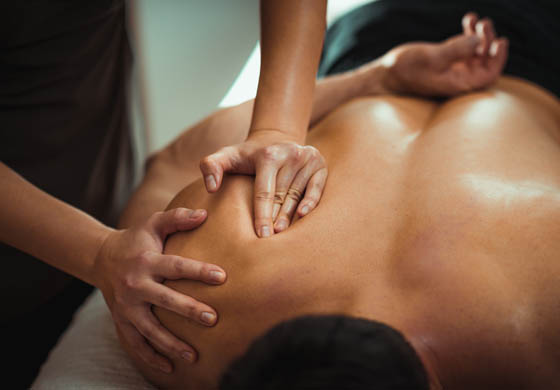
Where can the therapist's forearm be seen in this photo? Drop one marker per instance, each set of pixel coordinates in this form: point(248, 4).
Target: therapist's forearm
point(291, 41)
point(48, 228)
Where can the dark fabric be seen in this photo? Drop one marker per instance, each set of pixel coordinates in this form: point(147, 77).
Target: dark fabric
point(28, 340)
point(64, 69)
point(368, 32)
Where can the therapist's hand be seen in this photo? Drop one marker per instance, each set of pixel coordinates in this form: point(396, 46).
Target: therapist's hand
point(129, 270)
point(289, 177)
point(462, 63)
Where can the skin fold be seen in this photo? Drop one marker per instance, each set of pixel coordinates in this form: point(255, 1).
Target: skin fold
point(441, 219)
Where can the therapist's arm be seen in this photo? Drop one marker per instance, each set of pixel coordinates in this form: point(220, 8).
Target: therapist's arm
point(292, 34)
point(127, 265)
point(287, 174)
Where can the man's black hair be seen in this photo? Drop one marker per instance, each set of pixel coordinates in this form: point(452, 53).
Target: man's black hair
point(330, 352)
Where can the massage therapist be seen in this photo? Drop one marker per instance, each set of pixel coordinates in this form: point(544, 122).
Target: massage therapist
point(66, 172)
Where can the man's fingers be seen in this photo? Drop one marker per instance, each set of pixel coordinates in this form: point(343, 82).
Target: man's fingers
point(146, 352)
point(150, 327)
point(265, 187)
point(179, 219)
point(469, 22)
point(457, 48)
point(314, 192)
point(498, 53)
point(485, 31)
point(177, 267)
point(167, 298)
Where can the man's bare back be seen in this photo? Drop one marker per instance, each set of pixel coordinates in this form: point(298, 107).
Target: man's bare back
point(440, 220)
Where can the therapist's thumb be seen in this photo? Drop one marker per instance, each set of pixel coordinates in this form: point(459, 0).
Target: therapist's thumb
point(214, 166)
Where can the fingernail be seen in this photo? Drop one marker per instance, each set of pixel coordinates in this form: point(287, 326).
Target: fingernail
point(187, 355)
point(493, 49)
point(197, 213)
point(208, 318)
point(305, 210)
point(217, 276)
point(210, 182)
point(265, 231)
point(281, 224)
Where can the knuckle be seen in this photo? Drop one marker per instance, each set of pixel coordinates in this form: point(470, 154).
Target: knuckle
point(298, 152)
point(166, 300)
point(203, 271)
point(144, 258)
point(178, 265)
point(148, 331)
point(130, 282)
point(261, 221)
point(294, 194)
point(313, 197)
point(155, 216)
point(279, 197)
point(207, 162)
point(270, 153)
point(316, 190)
point(191, 310)
point(315, 154)
point(179, 213)
point(264, 196)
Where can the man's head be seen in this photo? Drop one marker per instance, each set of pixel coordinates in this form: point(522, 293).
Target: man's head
point(328, 352)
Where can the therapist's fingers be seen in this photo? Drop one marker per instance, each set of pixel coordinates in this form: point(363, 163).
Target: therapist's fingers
point(167, 298)
point(164, 223)
point(177, 267)
point(157, 335)
point(314, 192)
point(315, 163)
point(142, 349)
point(284, 179)
point(265, 187)
point(228, 159)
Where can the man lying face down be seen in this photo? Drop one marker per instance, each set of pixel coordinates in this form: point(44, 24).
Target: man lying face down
point(432, 260)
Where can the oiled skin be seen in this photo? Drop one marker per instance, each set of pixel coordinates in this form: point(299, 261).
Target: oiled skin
point(440, 219)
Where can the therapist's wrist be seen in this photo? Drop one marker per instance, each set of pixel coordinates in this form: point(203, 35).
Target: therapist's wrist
point(99, 237)
point(276, 135)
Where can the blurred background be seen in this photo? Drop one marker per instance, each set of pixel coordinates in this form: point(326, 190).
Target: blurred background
point(191, 57)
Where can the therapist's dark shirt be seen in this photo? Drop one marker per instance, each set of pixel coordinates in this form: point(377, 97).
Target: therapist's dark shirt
point(64, 67)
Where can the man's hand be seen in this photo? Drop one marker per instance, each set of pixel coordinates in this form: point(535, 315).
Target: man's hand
point(289, 177)
point(130, 269)
point(460, 64)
